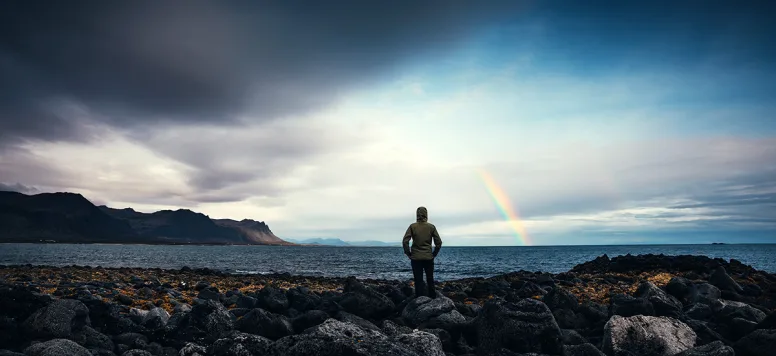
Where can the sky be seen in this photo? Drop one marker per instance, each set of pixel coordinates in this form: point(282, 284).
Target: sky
point(596, 122)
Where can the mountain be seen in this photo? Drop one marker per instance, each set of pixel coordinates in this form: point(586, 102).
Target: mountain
point(69, 217)
point(58, 216)
point(254, 231)
point(320, 241)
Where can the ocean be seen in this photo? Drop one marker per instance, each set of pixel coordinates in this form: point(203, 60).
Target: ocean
point(362, 262)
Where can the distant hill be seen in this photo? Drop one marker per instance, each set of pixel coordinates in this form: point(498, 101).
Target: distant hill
point(319, 241)
point(69, 217)
point(338, 242)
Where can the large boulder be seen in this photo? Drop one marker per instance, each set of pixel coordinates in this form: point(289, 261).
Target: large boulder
point(265, 323)
point(156, 318)
point(723, 281)
point(57, 347)
point(761, 342)
point(646, 336)
point(680, 288)
point(206, 322)
point(559, 298)
point(729, 310)
point(365, 302)
point(525, 326)
point(240, 344)
point(272, 299)
point(663, 303)
point(423, 343)
point(92, 339)
point(439, 312)
point(58, 320)
point(716, 348)
point(705, 293)
point(334, 337)
point(308, 319)
point(301, 299)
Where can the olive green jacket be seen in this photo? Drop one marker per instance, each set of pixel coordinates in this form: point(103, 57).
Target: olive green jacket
point(422, 233)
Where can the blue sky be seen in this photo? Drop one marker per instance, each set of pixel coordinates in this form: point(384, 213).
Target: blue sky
point(604, 122)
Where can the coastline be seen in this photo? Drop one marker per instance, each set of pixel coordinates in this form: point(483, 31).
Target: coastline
point(165, 308)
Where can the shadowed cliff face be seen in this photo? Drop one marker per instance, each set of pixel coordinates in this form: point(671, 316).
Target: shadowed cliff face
point(68, 217)
point(60, 216)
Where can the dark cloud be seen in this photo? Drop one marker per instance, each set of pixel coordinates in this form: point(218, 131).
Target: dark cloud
point(141, 62)
point(17, 187)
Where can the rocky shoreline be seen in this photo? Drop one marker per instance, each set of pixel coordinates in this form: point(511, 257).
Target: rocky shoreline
point(626, 305)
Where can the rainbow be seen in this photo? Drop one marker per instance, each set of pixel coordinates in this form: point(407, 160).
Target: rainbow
point(505, 207)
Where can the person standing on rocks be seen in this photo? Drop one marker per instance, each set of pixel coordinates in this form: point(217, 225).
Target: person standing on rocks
point(422, 233)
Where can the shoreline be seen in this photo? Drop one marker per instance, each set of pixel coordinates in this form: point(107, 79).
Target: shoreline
point(206, 309)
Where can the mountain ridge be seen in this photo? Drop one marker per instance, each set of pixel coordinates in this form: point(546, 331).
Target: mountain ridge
point(70, 217)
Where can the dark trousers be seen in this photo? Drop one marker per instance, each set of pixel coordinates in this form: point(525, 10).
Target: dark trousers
point(418, 267)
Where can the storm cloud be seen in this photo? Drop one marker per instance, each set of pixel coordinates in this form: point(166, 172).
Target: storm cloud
point(138, 63)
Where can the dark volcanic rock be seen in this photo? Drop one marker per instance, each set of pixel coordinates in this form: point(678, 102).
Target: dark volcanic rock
point(680, 288)
point(704, 333)
point(265, 323)
point(357, 320)
point(57, 347)
point(625, 305)
point(559, 298)
point(705, 293)
point(272, 299)
point(716, 348)
point(571, 337)
point(301, 299)
point(646, 336)
point(334, 338)
point(58, 320)
point(92, 339)
point(723, 281)
point(663, 303)
point(191, 349)
point(240, 344)
point(761, 342)
point(568, 319)
point(392, 329)
point(308, 319)
point(728, 310)
point(438, 312)
point(525, 326)
point(581, 350)
point(364, 301)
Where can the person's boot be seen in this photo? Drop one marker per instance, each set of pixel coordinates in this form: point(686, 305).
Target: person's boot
point(431, 292)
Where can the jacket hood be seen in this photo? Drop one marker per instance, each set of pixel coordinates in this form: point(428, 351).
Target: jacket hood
point(421, 214)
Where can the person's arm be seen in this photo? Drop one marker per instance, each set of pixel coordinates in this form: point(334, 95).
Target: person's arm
point(437, 241)
point(405, 242)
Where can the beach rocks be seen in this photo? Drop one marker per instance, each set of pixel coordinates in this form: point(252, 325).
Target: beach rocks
point(625, 305)
point(525, 326)
point(364, 301)
point(57, 347)
point(720, 279)
point(272, 299)
point(729, 310)
point(439, 312)
point(559, 298)
point(646, 336)
point(334, 337)
point(716, 348)
point(58, 319)
point(264, 323)
point(240, 344)
point(663, 303)
point(295, 315)
point(761, 342)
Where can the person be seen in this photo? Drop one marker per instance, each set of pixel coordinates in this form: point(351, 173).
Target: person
point(422, 233)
